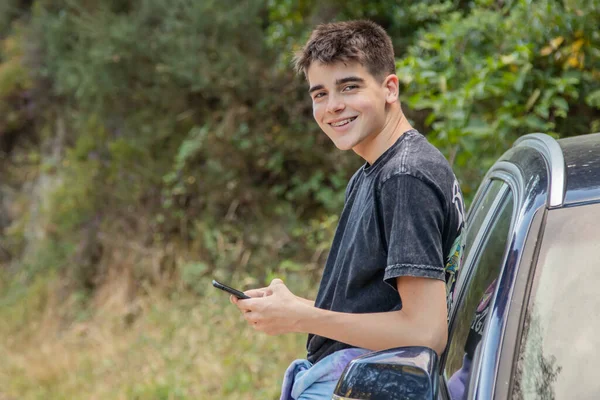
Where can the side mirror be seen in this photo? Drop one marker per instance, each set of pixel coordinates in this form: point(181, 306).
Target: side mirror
point(400, 373)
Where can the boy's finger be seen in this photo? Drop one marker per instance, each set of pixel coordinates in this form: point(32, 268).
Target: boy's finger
point(245, 305)
point(259, 292)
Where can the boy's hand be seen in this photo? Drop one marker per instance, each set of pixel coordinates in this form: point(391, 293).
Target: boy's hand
point(273, 309)
point(260, 292)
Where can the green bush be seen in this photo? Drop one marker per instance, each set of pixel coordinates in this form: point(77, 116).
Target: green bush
point(495, 74)
point(185, 128)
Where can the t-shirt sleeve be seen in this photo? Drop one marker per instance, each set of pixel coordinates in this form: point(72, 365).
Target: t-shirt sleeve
point(412, 216)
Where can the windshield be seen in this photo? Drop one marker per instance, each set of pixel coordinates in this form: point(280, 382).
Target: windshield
point(560, 349)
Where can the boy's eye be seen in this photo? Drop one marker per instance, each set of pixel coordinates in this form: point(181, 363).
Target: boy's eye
point(319, 95)
point(350, 87)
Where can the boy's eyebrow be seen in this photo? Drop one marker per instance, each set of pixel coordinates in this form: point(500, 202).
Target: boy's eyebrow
point(349, 79)
point(316, 87)
point(338, 83)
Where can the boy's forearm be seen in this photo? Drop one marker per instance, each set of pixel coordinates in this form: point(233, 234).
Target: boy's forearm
point(376, 331)
point(306, 301)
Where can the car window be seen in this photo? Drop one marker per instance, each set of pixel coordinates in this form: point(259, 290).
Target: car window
point(473, 307)
point(476, 221)
point(559, 352)
point(479, 212)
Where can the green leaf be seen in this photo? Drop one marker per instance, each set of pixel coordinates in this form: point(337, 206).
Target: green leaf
point(561, 106)
point(532, 99)
point(593, 99)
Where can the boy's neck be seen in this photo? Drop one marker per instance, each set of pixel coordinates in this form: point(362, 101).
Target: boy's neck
point(374, 146)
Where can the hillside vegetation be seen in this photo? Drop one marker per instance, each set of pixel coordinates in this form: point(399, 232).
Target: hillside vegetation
point(147, 147)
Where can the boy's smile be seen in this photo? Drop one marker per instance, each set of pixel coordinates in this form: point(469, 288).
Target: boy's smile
point(350, 105)
point(339, 123)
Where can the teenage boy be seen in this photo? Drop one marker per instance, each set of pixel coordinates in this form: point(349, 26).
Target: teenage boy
point(386, 279)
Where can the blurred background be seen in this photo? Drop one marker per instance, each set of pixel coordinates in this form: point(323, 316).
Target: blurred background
point(149, 146)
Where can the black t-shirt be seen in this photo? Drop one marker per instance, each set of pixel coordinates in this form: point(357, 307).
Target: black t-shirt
point(402, 216)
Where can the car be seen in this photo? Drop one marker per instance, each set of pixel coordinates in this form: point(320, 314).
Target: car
point(525, 316)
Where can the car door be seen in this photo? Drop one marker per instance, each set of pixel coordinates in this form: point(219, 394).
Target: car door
point(557, 350)
point(488, 227)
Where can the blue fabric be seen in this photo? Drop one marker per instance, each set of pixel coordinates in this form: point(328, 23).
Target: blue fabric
point(459, 381)
point(306, 381)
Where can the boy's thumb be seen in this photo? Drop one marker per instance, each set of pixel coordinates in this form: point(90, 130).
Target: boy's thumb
point(276, 281)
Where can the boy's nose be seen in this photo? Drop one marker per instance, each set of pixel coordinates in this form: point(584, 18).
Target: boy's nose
point(334, 105)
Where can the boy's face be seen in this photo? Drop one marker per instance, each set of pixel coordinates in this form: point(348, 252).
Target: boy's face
point(349, 104)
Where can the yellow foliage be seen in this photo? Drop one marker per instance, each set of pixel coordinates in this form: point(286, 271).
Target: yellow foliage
point(576, 57)
point(572, 54)
point(508, 59)
point(557, 41)
point(546, 50)
point(576, 60)
point(577, 45)
point(554, 44)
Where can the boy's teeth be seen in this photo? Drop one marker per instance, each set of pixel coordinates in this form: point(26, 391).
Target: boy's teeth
point(344, 122)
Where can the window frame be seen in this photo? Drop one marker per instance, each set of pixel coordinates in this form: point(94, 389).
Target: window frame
point(466, 272)
point(512, 178)
point(504, 196)
point(526, 171)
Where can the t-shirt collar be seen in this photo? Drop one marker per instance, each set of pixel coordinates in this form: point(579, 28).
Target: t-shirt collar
point(369, 168)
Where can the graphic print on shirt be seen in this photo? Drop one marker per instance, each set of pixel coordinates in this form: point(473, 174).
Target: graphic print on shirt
point(458, 202)
point(454, 259)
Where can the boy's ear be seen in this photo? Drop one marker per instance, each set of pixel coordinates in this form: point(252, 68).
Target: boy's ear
point(392, 88)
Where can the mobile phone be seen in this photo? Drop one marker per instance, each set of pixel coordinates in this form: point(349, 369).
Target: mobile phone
point(230, 290)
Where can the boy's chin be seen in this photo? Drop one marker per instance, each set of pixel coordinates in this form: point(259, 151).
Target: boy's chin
point(341, 145)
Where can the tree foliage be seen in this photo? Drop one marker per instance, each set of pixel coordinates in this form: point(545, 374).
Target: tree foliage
point(497, 73)
point(185, 129)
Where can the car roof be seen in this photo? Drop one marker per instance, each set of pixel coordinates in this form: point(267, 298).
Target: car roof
point(572, 166)
point(582, 161)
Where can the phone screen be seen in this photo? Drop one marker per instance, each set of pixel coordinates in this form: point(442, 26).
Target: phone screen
point(235, 292)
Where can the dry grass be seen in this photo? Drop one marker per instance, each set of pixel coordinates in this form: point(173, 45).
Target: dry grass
point(148, 347)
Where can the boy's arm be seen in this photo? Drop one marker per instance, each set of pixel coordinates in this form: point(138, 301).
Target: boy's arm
point(422, 320)
point(306, 301)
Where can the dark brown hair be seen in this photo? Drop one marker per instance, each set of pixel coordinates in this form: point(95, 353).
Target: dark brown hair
point(360, 41)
